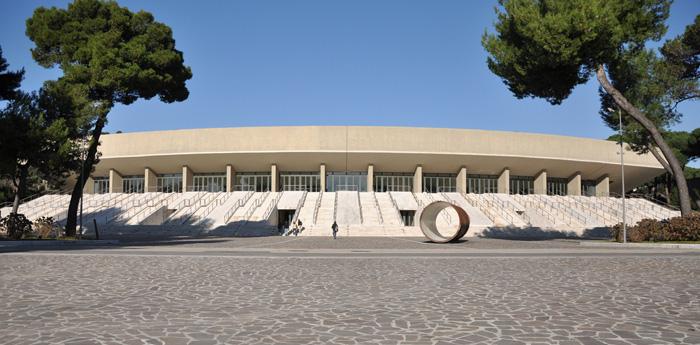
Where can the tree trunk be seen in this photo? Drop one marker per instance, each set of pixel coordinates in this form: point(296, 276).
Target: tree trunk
point(672, 160)
point(21, 186)
point(661, 160)
point(72, 217)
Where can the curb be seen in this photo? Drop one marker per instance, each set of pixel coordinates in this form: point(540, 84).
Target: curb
point(49, 243)
point(640, 245)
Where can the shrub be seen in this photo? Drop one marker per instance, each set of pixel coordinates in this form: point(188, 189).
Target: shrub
point(44, 226)
point(16, 225)
point(675, 229)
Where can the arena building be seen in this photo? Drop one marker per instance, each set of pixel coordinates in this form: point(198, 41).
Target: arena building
point(363, 177)
point(364, 159)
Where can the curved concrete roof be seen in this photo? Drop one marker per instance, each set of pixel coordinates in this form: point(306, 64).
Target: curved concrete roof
point(389, 149)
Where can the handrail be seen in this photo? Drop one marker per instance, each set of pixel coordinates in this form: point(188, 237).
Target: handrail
point(335, 206)
point(396, 208)
point(317, 205)
point(494, 202)
point(131, 212)
point(359, 205)
point(216, 202)
point(300, 204)
point(183, 205)
point(163, 202)
point(31, 197)
point(475, 202)
point(646, 197)
point(379, 210)
point(239, 203)
point(256, 203)
point(272, 206)
point(511, 207)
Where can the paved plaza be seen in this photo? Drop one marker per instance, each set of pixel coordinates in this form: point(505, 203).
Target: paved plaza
point(350, 291)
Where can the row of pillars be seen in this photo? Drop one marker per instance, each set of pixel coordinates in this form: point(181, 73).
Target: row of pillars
point(540, 181)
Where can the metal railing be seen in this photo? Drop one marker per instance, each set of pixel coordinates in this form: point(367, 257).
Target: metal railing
point(317, 205)
point(148, 211)
point(396, 208)
point(272, 206)
point(376, 206)
point(242, 201)
point(300, 204)
point(256, 203)
point(359, 205)
point(335, 206)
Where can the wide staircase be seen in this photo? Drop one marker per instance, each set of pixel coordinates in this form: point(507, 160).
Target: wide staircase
point(370, 209)
point(357, 213)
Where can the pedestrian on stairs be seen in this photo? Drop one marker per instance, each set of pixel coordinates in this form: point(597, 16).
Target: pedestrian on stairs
point(334, 227)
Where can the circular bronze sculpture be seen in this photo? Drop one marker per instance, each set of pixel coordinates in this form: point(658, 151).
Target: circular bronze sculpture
point(428, 218)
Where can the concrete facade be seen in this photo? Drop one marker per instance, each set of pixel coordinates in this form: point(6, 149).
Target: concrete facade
point(540, 183)
point(230, 177)
point(371, 150)
point(418, 179)
point(187, 178)
point(115, 181)
point(504, 181)
point(574, 185)
point(462, 180)
point(150, 180)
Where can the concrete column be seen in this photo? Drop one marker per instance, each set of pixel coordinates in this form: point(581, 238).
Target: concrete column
point(602, 186)
point(115, 182)
point(418, 180)
point(274, 177)
point(187, 179)
point(322, 176)
point(574, 185)
point(504, 181)
point(230, 178)
point(462, 180)
point(370, 178)
point(89, 187)
point(540, 184)
point(150, 182)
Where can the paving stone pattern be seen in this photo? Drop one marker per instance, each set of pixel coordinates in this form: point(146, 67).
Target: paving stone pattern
point(108, 299)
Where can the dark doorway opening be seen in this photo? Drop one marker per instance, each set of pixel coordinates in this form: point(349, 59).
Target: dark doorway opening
point(284, 219)
point(407, 217)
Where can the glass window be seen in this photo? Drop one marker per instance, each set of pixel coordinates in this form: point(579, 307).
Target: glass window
point(338, 181)
point(132, 184)
point(557, 186)
point(436, 183)
point(393, 182)
point(300, 181)
point(588, 187)
point(101, 185)
point(169, 183)
point(480, 184)
point(211, 182)
point(257, 182)
point(522, 185)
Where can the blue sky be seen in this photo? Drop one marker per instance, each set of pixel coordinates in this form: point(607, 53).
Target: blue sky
point(329, 62)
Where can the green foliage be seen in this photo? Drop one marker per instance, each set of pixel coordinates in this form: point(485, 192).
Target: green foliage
point(655, 84)
point(16, 226)
point(108, 52)
point(686, 228)
point(108, 55)
point(544, 48)
point(9, 81)
point(31, 137)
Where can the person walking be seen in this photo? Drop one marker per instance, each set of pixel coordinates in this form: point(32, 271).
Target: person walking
point(334, 227)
